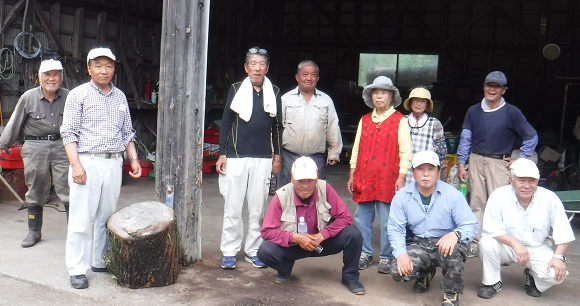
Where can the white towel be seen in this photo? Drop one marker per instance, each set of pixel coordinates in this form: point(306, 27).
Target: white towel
point(243, 102)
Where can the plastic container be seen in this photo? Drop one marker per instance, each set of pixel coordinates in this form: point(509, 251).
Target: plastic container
point(302, 227)
point(211, 136)
point(146, 166)
point(208, 165)
point(14, 160)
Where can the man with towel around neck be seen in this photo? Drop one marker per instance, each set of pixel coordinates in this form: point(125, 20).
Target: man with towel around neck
point(250, 140)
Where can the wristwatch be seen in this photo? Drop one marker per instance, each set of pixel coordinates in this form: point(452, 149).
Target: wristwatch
point(133, 158)
point(560, 257)
point(458, 234)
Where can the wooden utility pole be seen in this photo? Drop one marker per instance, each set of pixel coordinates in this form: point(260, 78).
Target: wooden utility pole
point(180, 118)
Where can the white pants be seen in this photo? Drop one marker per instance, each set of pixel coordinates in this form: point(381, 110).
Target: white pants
point(493, 253)
point(91, 205)
point(249, 179)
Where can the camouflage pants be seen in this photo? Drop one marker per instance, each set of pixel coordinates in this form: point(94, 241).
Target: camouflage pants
point(425, 256)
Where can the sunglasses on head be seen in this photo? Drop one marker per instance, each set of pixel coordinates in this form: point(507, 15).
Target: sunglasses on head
point(256, 50)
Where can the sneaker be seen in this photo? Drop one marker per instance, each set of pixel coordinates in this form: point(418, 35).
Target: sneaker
point(530, 287)
point(229, 262)
point(354, 287)
point(98, 270)
point(384, 267)
point(255, 261)
point(282, 279)
point(489, 291)
point(450, 299)
point(79, 281)
point(364, 261)
point(422, 284)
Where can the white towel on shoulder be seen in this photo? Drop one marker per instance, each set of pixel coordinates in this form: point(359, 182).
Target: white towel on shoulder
point(243, 101)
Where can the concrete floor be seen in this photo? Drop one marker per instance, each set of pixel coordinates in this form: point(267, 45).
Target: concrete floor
point(38, 275)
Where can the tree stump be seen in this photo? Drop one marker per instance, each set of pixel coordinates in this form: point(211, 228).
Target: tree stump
point(144, 245)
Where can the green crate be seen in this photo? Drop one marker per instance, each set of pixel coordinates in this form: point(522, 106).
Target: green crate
point(452, 142)
point(570, 199)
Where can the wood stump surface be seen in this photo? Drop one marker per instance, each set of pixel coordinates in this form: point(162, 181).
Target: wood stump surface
point(144, 245)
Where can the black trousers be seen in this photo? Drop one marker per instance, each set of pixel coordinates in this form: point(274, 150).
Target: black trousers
point(349, 241)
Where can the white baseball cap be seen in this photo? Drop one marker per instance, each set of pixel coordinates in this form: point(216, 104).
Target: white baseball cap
point(49, 65)
point(425, 157)
point(98, 52)
point(304, 168)
point(524, 167)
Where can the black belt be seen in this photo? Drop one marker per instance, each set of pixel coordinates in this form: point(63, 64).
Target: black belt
point(47, 137)
point(503, 156)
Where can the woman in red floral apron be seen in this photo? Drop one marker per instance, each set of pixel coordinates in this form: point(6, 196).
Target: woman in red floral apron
point(381, 156)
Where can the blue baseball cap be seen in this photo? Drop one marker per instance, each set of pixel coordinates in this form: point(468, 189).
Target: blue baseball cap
point(496, 77)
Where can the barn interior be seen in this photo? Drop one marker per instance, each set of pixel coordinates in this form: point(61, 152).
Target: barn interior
point(448, 46)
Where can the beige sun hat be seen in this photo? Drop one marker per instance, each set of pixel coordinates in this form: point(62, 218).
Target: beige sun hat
point(419, 93)
point(382, 82)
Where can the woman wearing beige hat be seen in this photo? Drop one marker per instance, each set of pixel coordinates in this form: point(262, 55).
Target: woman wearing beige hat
point(381, 155)
point(426, 131)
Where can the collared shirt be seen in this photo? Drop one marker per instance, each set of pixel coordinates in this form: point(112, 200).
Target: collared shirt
point(98, 123)
point(492, 131)
point(448, 211)
point(403, 138)
point(308, 127)
point(531, 226)
point(341, 218)
point(34, 115)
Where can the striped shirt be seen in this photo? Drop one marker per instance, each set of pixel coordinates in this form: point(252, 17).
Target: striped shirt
point(98, 123)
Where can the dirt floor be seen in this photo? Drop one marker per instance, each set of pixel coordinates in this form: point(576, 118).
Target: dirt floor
point(38, 275)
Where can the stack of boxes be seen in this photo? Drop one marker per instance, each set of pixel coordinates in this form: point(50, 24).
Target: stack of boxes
point(211, 150)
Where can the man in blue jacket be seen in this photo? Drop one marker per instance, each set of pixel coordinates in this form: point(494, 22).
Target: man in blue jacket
point(441, 224)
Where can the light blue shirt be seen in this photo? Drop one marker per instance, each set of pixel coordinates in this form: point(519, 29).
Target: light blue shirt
point(448, 211)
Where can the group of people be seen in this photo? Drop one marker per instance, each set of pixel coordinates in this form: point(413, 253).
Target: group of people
point(74, 140)
point(395, 167)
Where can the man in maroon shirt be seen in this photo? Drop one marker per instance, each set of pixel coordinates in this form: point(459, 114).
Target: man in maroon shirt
point(328, 222)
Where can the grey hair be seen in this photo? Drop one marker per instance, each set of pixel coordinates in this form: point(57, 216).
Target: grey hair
point(250, 54)
point(307, 62)
point(512, 174)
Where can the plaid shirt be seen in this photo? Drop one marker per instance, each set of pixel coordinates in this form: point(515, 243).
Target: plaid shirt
point(98, 123)
point(428, 137)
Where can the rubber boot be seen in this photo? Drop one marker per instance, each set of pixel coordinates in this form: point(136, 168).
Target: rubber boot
point(34, 226)
point(66, 206)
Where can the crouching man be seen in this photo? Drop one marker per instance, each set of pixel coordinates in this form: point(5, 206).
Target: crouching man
point(516, 228)
point(328, 221)
point(442, 225)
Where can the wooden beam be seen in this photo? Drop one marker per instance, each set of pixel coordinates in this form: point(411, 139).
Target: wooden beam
point(77, 46)
point(54, 20)
point(12, 14)
point(180, 120)
point(473, 21)
point(128, 73)
point(50, 34)
point(101, 28)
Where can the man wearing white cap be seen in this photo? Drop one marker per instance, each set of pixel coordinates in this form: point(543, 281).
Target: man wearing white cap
point(441, 226)
point(38, 116)
point(96, 130)
point(517, 225)
point(327, 230)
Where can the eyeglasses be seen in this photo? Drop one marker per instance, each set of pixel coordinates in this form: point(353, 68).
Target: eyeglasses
point(256, 50)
